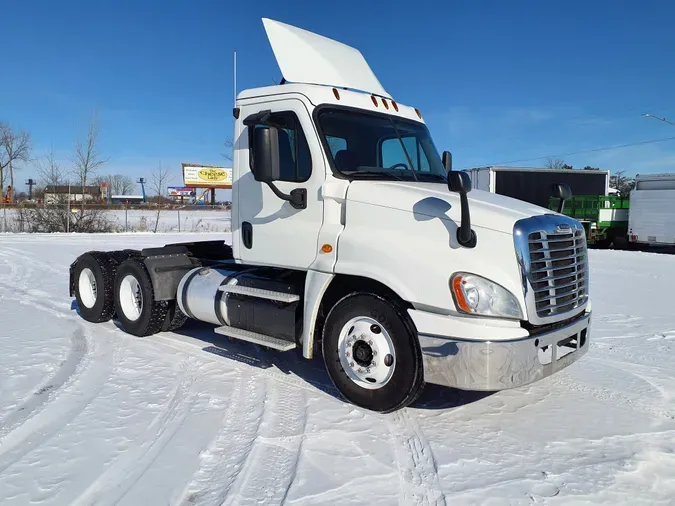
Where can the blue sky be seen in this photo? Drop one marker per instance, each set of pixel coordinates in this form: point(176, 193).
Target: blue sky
point(496, 81)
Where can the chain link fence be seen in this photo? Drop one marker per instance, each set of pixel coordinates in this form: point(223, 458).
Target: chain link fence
point(90, 218)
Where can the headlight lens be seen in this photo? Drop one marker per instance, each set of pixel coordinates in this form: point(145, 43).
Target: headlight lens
point(476, 295)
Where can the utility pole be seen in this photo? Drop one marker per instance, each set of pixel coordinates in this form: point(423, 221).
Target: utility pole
point(141, 181)
point(30, 183)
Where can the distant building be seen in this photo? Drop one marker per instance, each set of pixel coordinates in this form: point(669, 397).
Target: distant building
point(126, 199)
point(58, 194)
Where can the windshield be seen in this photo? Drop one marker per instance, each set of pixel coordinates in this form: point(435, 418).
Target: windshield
point(364, 146)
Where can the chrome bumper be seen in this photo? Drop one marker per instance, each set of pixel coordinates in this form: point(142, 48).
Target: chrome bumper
point(498, 365)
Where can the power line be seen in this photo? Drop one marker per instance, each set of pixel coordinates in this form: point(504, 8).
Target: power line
point(608, 148)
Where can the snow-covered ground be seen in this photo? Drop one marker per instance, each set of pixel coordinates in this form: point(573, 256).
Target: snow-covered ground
point(90, 415)
point(138, 220)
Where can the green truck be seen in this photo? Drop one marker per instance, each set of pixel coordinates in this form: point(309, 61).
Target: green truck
point(605, 218)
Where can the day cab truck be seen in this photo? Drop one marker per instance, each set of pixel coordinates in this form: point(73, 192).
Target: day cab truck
point(354, 239)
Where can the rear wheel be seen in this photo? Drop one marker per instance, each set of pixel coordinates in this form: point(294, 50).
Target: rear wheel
point(175, 318)
point(137, 310)
point(371, 352)
point(94, 276)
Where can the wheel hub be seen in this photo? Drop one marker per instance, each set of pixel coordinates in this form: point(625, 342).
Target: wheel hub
point(366, 352)
point(363, 353)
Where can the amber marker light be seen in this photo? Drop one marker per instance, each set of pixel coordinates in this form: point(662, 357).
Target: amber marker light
point(459, 294)
point(326, 248)
point(336, 93)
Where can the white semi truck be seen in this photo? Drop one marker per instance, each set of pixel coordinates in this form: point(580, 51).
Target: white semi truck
point(353, 238)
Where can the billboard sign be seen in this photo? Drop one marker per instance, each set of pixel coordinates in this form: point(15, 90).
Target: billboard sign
point(205, 176)
point(175, 191)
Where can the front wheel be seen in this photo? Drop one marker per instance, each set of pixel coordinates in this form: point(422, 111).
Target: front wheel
point(372, 354)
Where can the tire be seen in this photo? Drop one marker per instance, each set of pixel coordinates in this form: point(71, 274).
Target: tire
point(361, 319)
point(94, 277)
point(120, 256)
point(175, 318)
point(137, 310)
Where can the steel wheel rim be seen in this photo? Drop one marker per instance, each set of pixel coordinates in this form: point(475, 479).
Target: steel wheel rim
point(87, 288)
point(131, 297)
point(358, 337)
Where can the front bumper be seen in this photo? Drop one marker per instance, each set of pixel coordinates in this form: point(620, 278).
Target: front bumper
point(491, 365)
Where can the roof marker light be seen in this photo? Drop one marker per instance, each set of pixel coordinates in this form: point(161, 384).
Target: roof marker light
point(372, 97)
point(336, 93)
point(419, 115)
point(395, 105)
point(386, 105)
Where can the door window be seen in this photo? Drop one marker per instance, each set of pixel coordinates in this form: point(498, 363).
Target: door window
point(295, 160)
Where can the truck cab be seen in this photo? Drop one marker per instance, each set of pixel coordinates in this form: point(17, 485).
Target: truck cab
point(353, 238)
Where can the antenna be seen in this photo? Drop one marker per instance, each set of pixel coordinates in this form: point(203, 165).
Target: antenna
point(235, 77)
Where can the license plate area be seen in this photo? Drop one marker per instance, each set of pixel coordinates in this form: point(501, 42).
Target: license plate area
point(550, 353)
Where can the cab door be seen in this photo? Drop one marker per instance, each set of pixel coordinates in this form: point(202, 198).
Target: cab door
point(269, 230)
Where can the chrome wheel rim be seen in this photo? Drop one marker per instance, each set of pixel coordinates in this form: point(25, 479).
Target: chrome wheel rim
point(87, 288)
point(131, 297)
point(366, 352)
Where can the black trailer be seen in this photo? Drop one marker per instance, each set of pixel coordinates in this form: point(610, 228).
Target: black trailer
point(534, 184)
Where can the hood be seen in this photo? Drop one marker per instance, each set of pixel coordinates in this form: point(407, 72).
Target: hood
point(488, 210)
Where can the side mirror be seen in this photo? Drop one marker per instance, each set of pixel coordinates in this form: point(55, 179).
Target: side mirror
point(266, 154)
point(447, 160)
point(563, 192)
point(459, 181)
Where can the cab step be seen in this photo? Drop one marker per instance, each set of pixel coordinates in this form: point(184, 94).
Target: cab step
point(254, 337)
point(260, 293)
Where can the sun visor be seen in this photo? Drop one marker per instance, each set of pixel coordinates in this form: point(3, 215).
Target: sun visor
point(309, 58)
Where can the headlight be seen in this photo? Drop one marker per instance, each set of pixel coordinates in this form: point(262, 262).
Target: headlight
point(476, 295)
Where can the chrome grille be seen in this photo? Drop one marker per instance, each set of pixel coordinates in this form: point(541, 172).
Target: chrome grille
point(551, 252)
point(558, 270)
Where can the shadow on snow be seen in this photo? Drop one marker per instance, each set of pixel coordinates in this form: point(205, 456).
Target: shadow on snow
point(312, 372)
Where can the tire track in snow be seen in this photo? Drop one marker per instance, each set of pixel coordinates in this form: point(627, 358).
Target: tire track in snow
point(636, 403)
point(270, 469)
point(418, 472)
point(70, 402)
point(65, 374)
point(121, 476)
point(23, 256)
point(222, 461)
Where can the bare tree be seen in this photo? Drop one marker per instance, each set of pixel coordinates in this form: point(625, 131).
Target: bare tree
point(119, 184)
point(49, 170)
point(88, 159)
point(14, 147)
point(555, 163)
point(622, 183)
point(159, 181)
point(229, 144)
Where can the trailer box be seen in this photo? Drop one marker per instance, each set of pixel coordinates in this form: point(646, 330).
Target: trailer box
point(652, 210)
point(533, 185)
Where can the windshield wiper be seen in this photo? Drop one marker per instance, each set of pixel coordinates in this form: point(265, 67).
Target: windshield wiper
point(436, 177)
point(384, 175)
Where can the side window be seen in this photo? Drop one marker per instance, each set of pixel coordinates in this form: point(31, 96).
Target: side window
point(295, 159)
point(393, 154)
